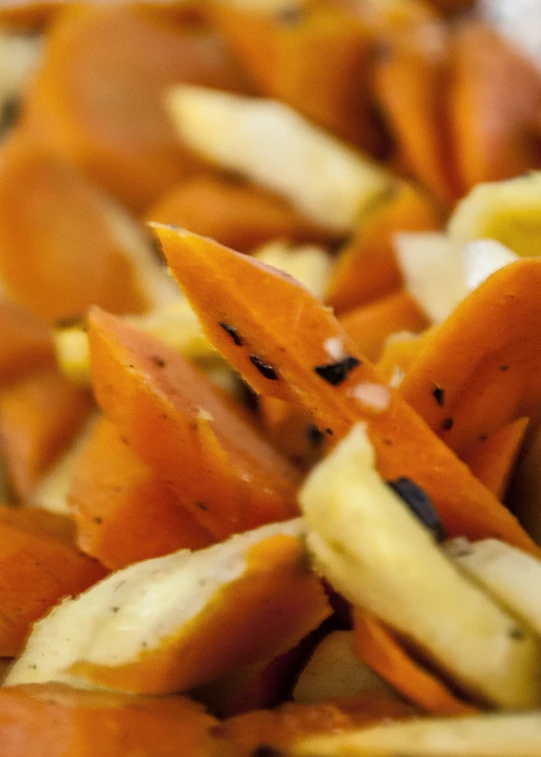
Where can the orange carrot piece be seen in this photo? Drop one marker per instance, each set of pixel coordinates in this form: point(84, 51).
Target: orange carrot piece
point(366, 268)
point(370, 325)
point(215, 462)
point(482, 358)
point(123, 513)
point(98, 97)
point(492, 459)
point(495, 101)
point(39, 415)
point(52, 720)
point(39, 522)
point(235, 214)
point(278, 728)
point(291, 430)
point(25, 342)
point(37, 568)
point(375, 645)
point(60, 249)
point(292, 348)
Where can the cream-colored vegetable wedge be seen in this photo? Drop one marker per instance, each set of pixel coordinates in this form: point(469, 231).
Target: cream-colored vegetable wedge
point(477, 736)
point(310, 264)
point(374, 551)
point(272, 145)
point(171, 623)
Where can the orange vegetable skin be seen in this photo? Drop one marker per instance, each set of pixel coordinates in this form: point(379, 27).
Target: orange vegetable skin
point(214, 461)
point(280, 727)
point(98, 97)
point(495, 102)
point(25, 343)
point(235, 214)
point(289, 330)
point(37, 568)
point(483, 358)
point(275, 603)
point(401, 352)
point(492, 459)
point(122, 511)
point(39, 415)
point(370, 325)
point(51, 720)
point(59, 251)
point(366, 268)
point(377, 647)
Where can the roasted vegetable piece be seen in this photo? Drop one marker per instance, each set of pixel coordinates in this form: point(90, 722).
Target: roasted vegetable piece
point(98, 96)
point(299, 353)
point(53, 720)
point(379, 648)
point(366, 268)
point(39, 415)
point(122, 511)
point(178, 621)
point(234, 213)
point(202, 448)
point(40, 565)
point(481, 358)
point(26, 342)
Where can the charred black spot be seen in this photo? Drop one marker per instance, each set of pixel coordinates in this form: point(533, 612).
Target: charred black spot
point(265, 751)
point(264, 368)
point(420, 505)
point(202, 506)
point(329, 431)
point(98, 521)
point(446, 424)
point(232, 331)
point(313, 435)
point(335, 373)
point(439, 394)
point(503, 368)
point(158, 361)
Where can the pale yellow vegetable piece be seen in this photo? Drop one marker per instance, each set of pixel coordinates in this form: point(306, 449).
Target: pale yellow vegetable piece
point(334, 671)
point(502, 735)
point(19, 56)
point(482, 258)
point(269, 143)
point(375, 552)
point(507, 211)
point(310, 264)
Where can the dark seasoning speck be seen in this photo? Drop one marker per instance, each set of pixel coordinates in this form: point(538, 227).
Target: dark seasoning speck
point(439, 394)
point(264, 368)
point(336, 373)
point(420, 505)
point(233, 333)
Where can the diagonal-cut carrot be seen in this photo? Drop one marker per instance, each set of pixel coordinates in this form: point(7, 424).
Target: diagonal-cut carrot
point(122, 511)
point(210, 457)
point(492, 458)
point(377, 647)
point(26, 342)
point(289, 346)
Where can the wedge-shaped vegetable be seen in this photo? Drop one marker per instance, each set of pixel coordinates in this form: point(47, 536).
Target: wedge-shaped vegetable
point(123, 513)
point(237, 214)
point(203, 448)
point(507, 211)
point(482, 258)
point(39, 415)
point(482, 736)
point(366, 268)
point(174, 622)
point(19, 56)
point(494, 102)
point(70, 231)
point(374, 551)
point(309, 264)
point(512, 576)
point(334, 671)
point(294, 349)
point(379, 648)
point(40, 565)
point(480, 361)
point(26, 342)
point(271, 144)
point(60, 721)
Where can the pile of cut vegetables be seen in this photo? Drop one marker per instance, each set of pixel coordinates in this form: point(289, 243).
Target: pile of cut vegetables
point(270, 401)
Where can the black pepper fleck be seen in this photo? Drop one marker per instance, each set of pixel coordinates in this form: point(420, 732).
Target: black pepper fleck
point(516, 633)
point(158, 361)
point(439, 394)
point(446, 424)
point(264, 368)
point(420, 505)
point(483, 437)
point(202, 506)
point(329, 431)
point(335, 373)
point(233, 333)
point(313, 435)
point(265, 751)
point(503, 368)
point(98, 521)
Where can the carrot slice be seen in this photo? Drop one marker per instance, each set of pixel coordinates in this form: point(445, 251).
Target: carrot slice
point(377, 647)
point(235, 214)
point(492, 459)
point(38, 417)
point(26, 342)
point(98, 97)
point(59, 721)
point(210, 457)
point(370, 325)
point(278, 728)
point(495, 101)
point(292, 348)
point(479, 361)
point(366, 268)
point(39, 565)
point(122, 511)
